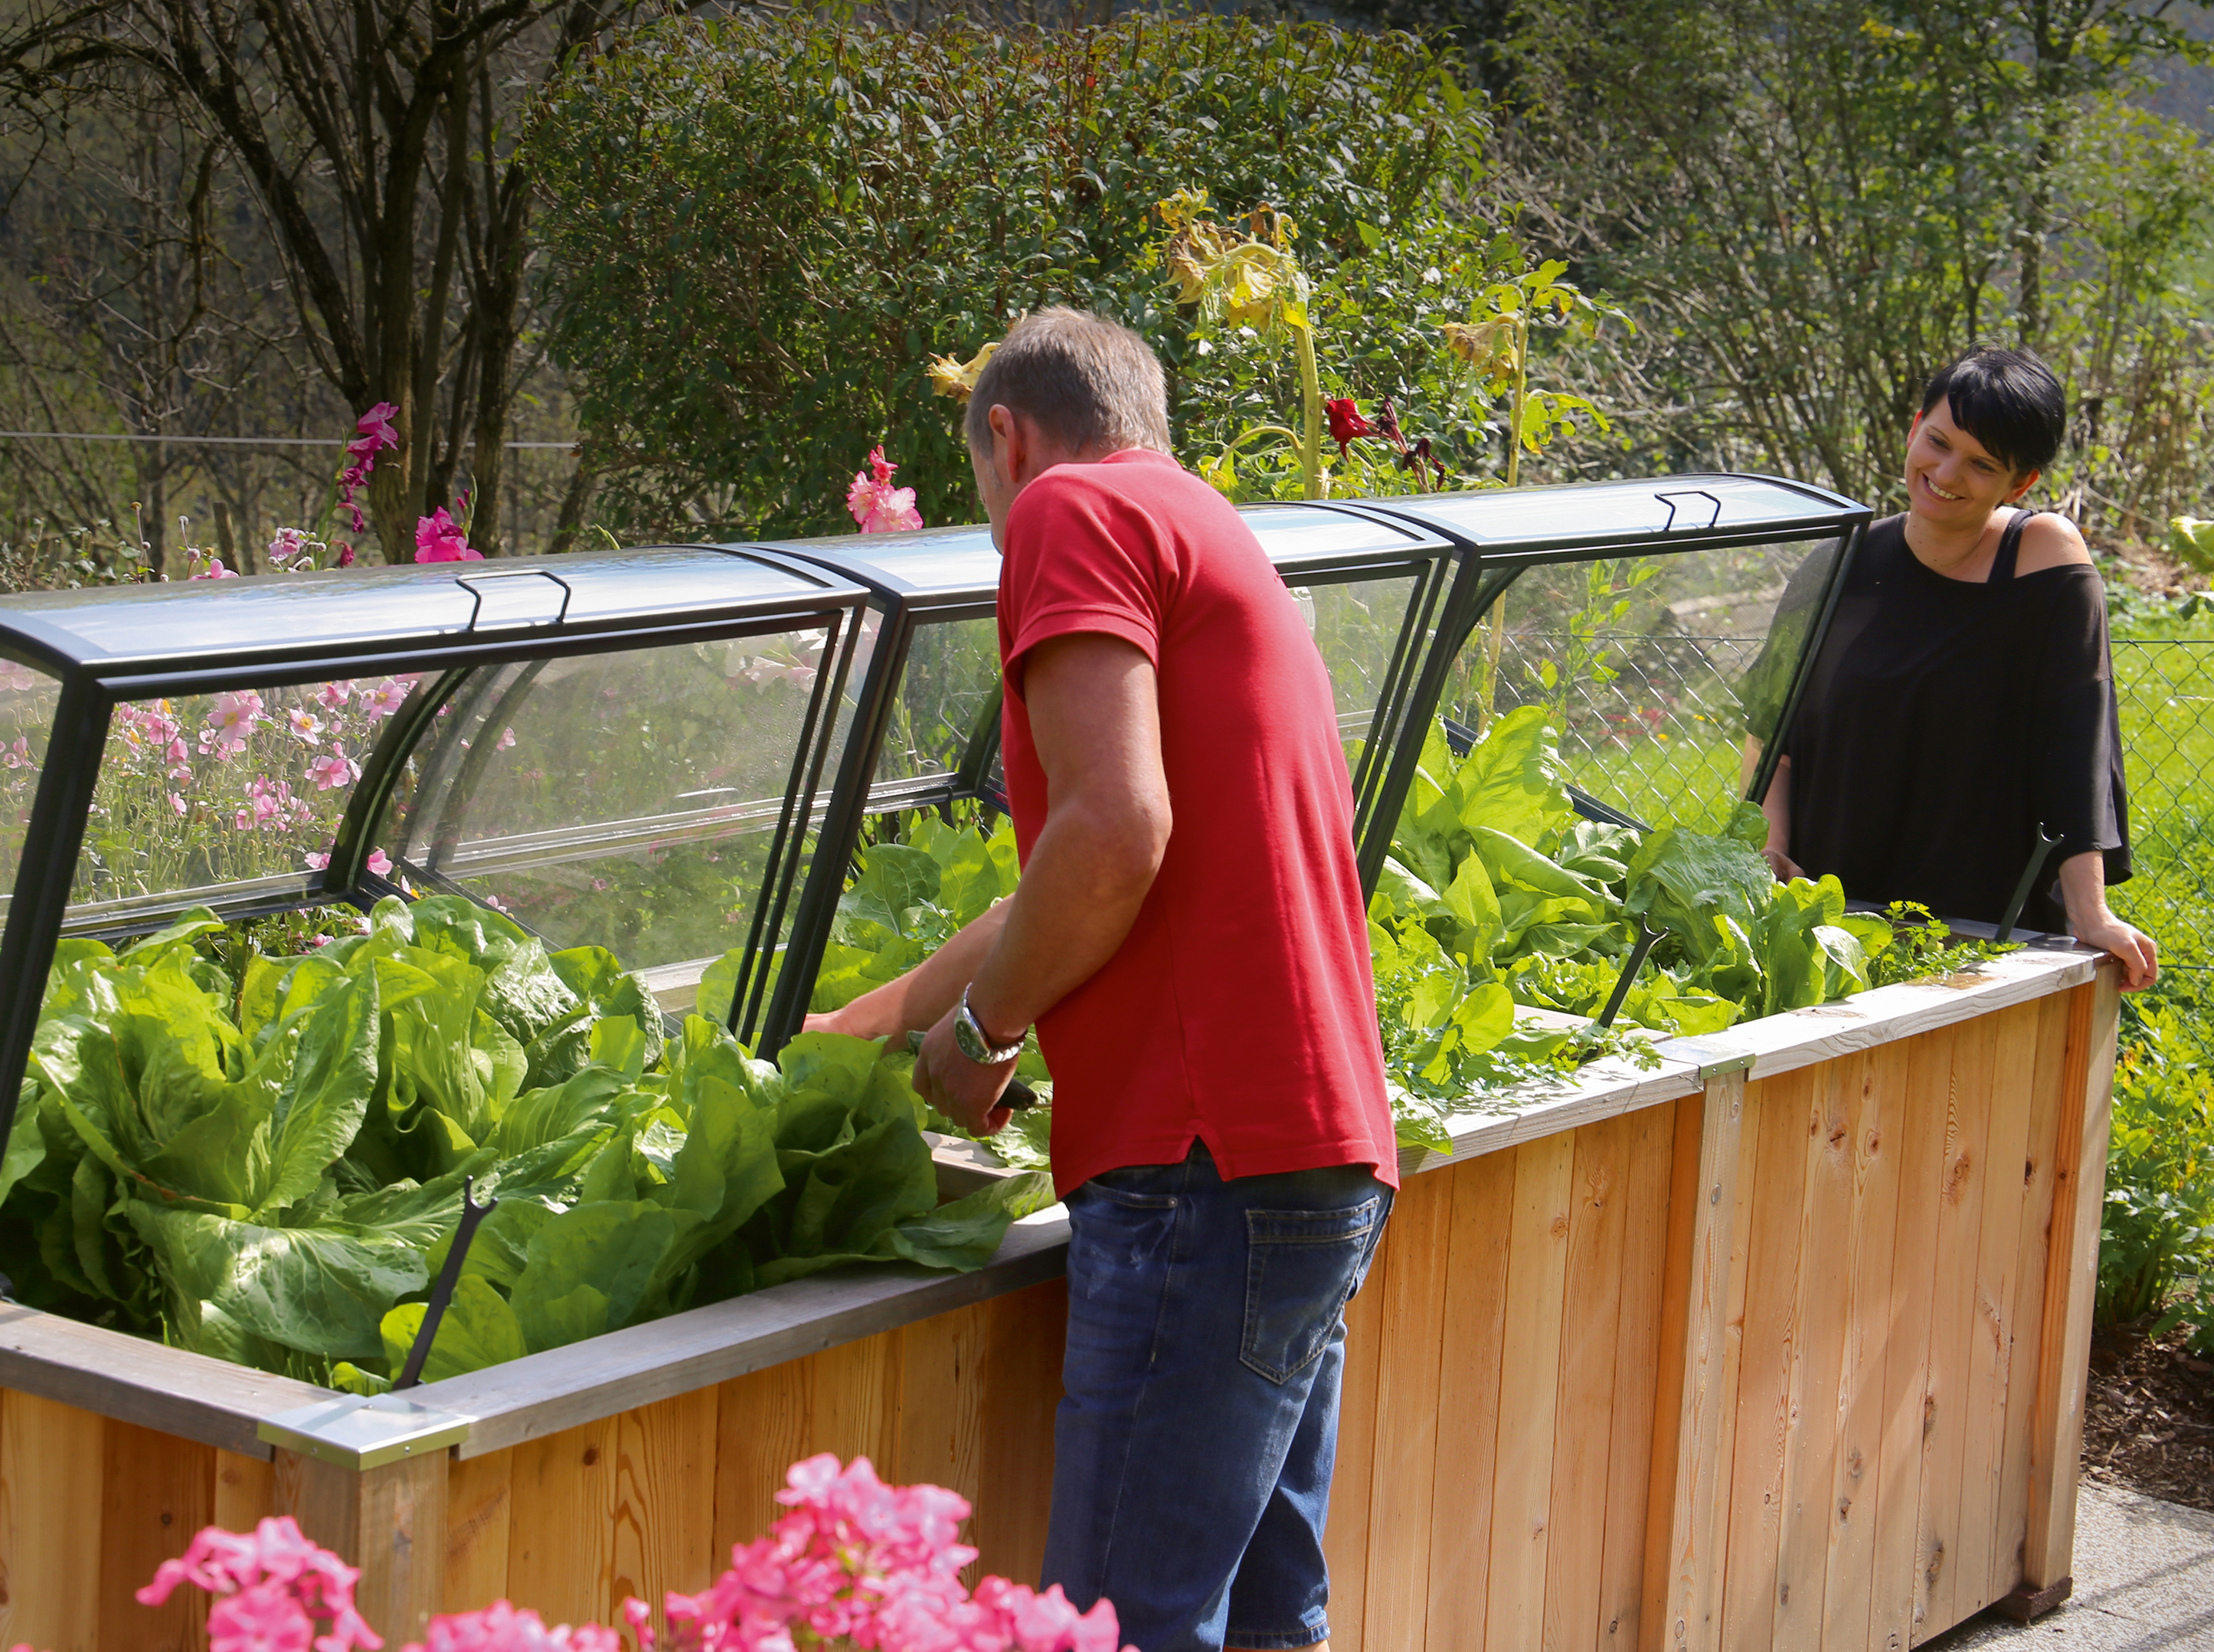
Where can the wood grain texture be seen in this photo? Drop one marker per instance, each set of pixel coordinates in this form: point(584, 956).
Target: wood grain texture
point(1583, 1419)
point(403, 1545)
point(1024, 1335)
point(245, 1490)
point(1788, 1119)
point(1671, 1477)
point(1947, 1419)
point(664, 1509)
point(50, 1505)
point(1992, 1338)
point(479, 1508)
point(325, 1500)
point(1636, 1369)
point(560, 1542)
point(2071, 1277)
point(158, 1491)
point(1820, 1320)
point(1529, 1392)
point(2032, 1247)
point(1406, 1432)
point(1876, 1114)
point(764, 1423)
point(1697, 1521)
point(1474, 1316)
point(942, 1401)
point(1345, 1536)
point(1906, 1329)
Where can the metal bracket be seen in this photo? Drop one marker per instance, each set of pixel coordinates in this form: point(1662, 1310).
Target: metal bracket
point(1713, 1060)
point(363, 1434)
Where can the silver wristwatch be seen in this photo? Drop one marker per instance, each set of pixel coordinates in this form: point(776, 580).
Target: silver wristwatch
point(970, 1035)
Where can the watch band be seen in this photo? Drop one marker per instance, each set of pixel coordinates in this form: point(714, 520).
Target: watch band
point(974, 1043)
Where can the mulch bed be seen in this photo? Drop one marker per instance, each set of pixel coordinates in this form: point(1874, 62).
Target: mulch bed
point(2149, 1423)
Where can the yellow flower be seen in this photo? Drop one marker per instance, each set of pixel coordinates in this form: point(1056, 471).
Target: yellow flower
point(1185, 206)
point(1488, 346)
point(1247, 280)
point(949, 375)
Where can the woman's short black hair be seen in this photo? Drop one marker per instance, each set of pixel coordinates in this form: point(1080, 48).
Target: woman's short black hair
point(2009, 400)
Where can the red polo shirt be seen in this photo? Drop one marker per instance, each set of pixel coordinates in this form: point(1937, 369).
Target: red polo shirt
point(1240, 1010)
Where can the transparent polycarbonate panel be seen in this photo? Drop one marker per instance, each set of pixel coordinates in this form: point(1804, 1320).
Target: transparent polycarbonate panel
point(951, 681)
point(625, 800)
point(27, 699)
point(204, 799)
point(1665, 674)
point(1356, 624)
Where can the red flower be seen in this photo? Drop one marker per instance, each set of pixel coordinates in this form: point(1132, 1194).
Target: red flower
point(1346, 423)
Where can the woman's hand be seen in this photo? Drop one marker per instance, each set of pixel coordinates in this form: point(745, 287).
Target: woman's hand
point(2083, 893)
point(2139, 952)
point(1781, 865)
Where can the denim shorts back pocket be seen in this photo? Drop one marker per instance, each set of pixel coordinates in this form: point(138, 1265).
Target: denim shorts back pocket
point(1301, 1267)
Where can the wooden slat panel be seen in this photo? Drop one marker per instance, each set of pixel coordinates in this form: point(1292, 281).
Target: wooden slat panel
point(1906, 1354)
point(560, 1542)
point(478, 1505)
point(245, 1490)
point(1474, 1315)
point(326, 1502)
point(403, 1558)
point(1406, 1448)
point(1729, 1137)
point(1990, 1348)
point(665, 1512)
point(2071, 1278)
point(1645, 1225)
point(764, 1422)
point(1671, 1476)
point(1953, 1327)
point(157, 1492)
point(1788, 1118)
point(2032, 1245)
point(1024, 1337)
point(51, 1487)
point(856, 1399)
point(1345, 1538)
point(1537, 1271)
point(1820, 1316)
point(942, 1402)
point(1591, 1349)
point(1877, 1116)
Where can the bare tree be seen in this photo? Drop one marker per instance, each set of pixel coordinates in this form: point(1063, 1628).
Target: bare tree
point(376, 136)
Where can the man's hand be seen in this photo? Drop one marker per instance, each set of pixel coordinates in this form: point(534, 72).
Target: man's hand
point(966, 1091)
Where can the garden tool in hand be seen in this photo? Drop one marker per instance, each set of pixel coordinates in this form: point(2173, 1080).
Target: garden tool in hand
point(1016, 1097)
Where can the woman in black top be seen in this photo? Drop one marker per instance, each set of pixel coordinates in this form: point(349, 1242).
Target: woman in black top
point(1963, 697)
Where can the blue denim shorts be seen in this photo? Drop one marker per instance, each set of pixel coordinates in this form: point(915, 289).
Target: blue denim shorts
point(1192, 1451)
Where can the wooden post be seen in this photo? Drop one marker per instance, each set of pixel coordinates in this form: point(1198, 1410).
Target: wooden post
point(389, 1520)
point(1697, 1524)
point(2071, 1281)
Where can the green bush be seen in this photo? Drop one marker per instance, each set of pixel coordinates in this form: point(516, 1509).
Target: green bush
point(2159, 1225)
point(760, 229)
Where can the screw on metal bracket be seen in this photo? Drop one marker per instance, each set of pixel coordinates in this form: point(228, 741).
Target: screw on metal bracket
point(442, 1294)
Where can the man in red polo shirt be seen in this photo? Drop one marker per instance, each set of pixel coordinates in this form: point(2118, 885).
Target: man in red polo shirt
point(1191, 940)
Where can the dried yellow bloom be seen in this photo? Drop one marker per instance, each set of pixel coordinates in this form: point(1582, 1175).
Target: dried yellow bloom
point(949, 375)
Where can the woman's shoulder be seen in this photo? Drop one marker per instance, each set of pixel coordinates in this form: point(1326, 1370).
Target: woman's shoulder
point(2049, 540)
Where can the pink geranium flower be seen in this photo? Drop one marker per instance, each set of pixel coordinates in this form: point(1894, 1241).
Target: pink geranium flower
point(879, 506)
point(439, 538)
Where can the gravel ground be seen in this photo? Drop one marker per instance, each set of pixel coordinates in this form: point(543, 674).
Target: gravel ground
point(2144, 1580)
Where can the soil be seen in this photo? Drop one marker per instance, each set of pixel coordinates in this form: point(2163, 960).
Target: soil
point(2149, 1423)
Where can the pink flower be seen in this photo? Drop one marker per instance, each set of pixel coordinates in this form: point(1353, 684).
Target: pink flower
point(275, 1584)
point(264, 1618)
point(380, 863)
point(333, 770)
point(506, 739)
point(318, 860)
point(13, 675)
point(18, 756)
point(439, 538)
point(879, 506)
point(307, 727)
point(500, 1627)
point(176, 803)
point(377, 425)
point(385, 698)
point(285, 544)
point(346, 552)
point(214, 569)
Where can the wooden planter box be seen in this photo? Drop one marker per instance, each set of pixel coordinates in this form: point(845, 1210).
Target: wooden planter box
point(1782, 1343)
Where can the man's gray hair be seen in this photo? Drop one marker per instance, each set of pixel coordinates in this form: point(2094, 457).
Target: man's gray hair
point(1089, 384)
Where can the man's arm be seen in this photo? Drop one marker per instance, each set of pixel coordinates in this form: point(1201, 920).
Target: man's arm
point(928, 991)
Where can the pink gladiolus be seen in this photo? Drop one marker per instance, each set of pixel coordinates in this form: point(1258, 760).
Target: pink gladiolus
point(380, 863)
point(879, 506)
point(377, 425)
point(346, 553)
point(439, 538)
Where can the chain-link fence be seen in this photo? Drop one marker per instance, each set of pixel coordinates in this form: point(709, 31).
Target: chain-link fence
point(1654, 730)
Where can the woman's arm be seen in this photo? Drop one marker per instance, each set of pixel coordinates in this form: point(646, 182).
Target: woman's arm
point(2083, 891)
point(1777, 805)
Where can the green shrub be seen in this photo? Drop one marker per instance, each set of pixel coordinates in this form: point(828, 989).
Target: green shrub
point(2159, 1224)
point(760, 231)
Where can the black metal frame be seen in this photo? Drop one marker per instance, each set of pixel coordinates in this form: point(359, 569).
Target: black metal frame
point(91, 686)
